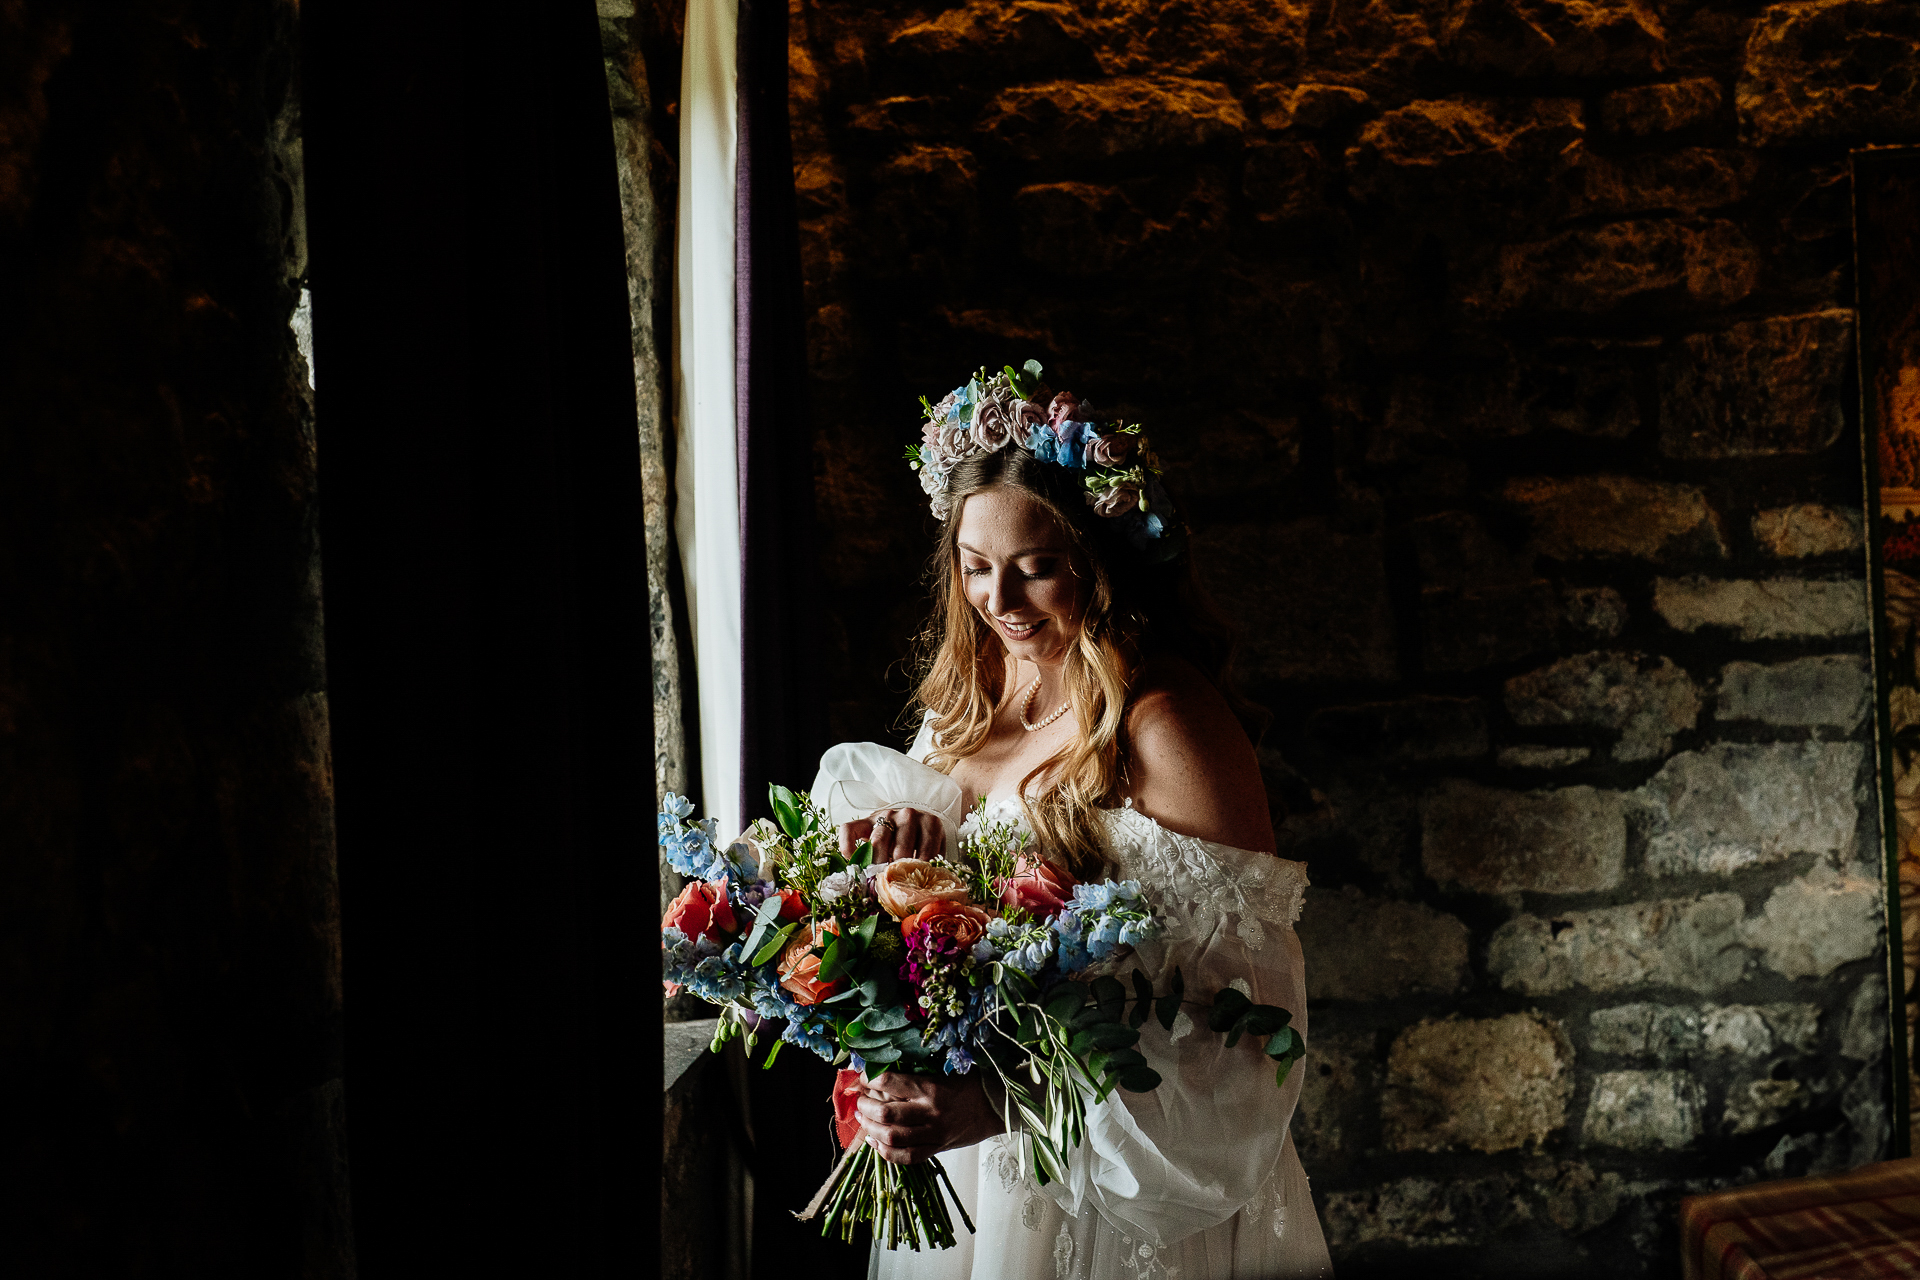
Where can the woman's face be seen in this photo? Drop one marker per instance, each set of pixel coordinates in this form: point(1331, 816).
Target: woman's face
point(1017, 573)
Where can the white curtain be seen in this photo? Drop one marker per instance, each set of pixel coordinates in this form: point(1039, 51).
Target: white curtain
point(706, 480)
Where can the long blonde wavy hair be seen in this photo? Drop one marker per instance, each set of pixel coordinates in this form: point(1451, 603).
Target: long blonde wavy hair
point(1134, 610)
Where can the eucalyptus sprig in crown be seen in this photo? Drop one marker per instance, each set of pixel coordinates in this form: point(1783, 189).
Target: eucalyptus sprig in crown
point(1012, 409)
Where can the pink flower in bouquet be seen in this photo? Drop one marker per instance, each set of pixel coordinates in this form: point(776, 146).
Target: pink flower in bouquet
point(908, 884)
point(964, 923)
point(702, 911)
point(800, 969)
point(1037, 886)
point(1111, 450)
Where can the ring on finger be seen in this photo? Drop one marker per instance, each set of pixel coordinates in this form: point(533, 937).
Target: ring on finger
point(884, 824)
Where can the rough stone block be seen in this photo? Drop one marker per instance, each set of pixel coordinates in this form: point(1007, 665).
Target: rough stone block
point(1599, 610)
point(1284, 181)
point(1780, 608)
point(1489, 1085)
point(1028, 35)
point(1645, 700)
point(1464, 151)
point(1312, 595)
point(1493, 840)
point(1692, 180)
point(1754, 1105)
point(1529, 755)
point(1731, 806)
point(1070, 120)
point(1831, 69)
point(1758, 388)
point(1692, 943)
point(1339, 1079)
point(1813, 925)
point(1598, 516)
point(1307, 105)
point(1660, 1032)
point(1466, 630)
point(1594, 270)
point(1751, 1031)
point(1864, 1037)
point(1806, 529)
point(1401, 732)
point(1833, 689)
point(1555, 37)
point(1425, 1212)
point(1377, 949)
point(1648, 109)
point(1644, 1110)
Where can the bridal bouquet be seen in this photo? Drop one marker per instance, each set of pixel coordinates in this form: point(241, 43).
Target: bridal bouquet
point(987, 958)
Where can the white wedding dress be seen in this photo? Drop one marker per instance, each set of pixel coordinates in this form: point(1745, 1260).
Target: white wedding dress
point(1196, 1180)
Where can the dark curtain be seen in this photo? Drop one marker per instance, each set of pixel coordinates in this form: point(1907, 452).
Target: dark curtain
point(485, 596)
point(783, 708)
point(783, 729)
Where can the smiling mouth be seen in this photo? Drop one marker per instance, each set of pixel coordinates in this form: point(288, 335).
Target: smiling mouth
point(1021, 631)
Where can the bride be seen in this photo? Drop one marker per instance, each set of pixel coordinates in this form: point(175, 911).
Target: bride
point(1077, 679)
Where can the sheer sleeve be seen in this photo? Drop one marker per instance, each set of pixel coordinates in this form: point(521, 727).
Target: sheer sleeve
point(1192, 1153)
point(857, 779)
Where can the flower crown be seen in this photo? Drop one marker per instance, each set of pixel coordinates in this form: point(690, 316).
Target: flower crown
point(1003, 410)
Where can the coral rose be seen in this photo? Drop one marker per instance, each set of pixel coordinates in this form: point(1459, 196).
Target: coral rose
point(799, 968)
point(908, 884)
point(792, 905)
point(964, 923)
point(1037, 886)
point(701, 911)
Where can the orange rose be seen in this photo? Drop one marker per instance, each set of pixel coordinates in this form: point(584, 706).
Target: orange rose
point(908, 884)
point(799, 968)
point(792, 905)
point(1037, 886)
point(964, 923)
point(702, 911)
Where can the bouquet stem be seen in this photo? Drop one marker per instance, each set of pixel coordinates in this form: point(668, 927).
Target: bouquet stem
point(902, 1204)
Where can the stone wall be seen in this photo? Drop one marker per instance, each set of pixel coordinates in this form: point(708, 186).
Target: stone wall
point(1501, 352)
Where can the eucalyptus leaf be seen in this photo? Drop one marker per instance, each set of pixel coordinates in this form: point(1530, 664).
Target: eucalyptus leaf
point(830, 965)
point(1033, 367)
point(1124, 1059)
point(769, 912)
point(1282, 1042)
point(775, 944)
point(1143, 994)
point(1265, 1019)
point(1111, 1035)
point(1227, 1008)
point(891, 1018)
point(881, 1053)
point(1140, 1080)
point(1109, 997)
point(864, 930)
point(1167, 1008)
point(1067, 999)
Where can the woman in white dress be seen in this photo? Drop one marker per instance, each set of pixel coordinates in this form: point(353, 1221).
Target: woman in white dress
point(1077, 676)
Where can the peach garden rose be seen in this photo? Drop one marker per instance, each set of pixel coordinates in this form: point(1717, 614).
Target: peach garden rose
point(908, 884)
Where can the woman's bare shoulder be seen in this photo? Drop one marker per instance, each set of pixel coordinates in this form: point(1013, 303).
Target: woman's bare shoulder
point(1190, 766)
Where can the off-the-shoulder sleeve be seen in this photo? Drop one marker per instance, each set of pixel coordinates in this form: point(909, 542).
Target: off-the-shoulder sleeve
point(1192, 1153)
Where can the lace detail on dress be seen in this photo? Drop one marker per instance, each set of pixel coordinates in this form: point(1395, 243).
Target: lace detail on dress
point(1269, 1206)
point(1001, 1156)
point(1200, 885)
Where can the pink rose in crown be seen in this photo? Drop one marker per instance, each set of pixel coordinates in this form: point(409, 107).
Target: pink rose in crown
point(1117, 501)
point(1037, 886)
point(1061, 410)
point(1112, 450)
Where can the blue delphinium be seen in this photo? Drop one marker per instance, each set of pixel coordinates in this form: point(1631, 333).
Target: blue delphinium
point(702, 967)
point(1046, 445)
point(807, 1026)
point(689, 845)
point(1099, 918)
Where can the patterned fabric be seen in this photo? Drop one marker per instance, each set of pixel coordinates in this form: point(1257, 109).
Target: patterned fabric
point(1853, 1226)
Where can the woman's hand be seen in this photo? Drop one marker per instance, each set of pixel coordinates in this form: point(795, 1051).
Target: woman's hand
point(895, 833)
point(908, 1118)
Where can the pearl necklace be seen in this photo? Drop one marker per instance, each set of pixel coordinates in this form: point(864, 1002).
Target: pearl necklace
point(1027, 702)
